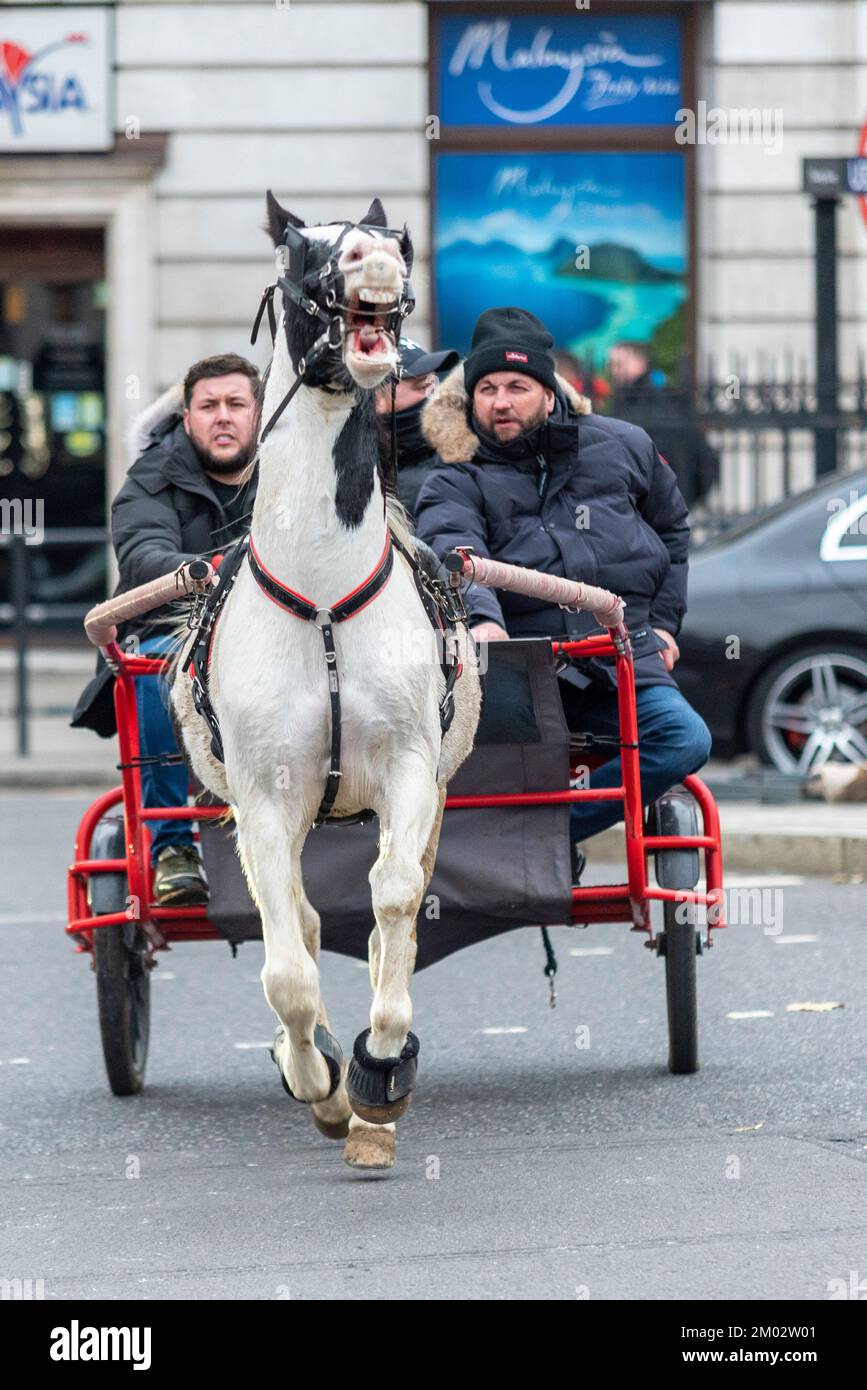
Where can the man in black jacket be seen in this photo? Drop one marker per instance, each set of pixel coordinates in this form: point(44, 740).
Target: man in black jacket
point(190, 493)
point(526, 474)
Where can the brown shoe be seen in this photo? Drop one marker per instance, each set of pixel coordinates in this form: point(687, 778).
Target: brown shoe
point(179, 877)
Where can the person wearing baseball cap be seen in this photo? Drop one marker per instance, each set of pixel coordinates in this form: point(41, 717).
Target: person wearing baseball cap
point(419, 373)
point(526, 474)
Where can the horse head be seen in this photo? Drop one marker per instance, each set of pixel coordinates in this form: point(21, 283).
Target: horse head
point(346, 289)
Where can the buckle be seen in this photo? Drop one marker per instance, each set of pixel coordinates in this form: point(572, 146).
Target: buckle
point(322, 618)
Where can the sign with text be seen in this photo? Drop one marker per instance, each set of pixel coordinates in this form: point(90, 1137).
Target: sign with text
point(498, 69)
point(55, 70)
point(834, 177)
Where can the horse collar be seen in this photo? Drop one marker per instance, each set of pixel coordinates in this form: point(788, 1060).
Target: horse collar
point(301, 607)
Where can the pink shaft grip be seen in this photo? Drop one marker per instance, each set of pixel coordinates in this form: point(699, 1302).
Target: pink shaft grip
point(606, 607)
point(101, 622)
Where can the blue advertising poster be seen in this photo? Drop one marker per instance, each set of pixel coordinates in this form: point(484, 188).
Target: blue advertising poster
point(594, 244)
point(580, 69)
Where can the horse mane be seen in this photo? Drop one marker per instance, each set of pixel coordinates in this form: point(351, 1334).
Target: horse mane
point(398, 522)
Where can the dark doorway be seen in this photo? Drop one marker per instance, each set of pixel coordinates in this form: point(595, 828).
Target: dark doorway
point(53, 407)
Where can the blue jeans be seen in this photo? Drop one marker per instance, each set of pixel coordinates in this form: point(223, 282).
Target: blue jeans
point(674, 741)
point(160, 786)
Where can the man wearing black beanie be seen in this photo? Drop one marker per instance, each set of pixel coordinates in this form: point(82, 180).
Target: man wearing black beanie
point(510, 340)
point(525, 473)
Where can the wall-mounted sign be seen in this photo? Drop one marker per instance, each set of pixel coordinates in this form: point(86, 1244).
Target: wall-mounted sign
point(55, 70)
point(834, 177)
point(594, 244)
point(502, 69)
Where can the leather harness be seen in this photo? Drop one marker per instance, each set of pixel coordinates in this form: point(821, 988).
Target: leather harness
point(442, 604)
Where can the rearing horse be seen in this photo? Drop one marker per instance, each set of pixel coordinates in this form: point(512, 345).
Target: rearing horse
point(323, 599)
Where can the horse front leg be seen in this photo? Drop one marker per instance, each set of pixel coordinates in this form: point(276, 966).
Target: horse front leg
point(382, 1072)
point(271, 856)
point(373, 1145)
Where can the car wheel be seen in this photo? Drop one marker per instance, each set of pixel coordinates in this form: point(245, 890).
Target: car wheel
point(810, 708)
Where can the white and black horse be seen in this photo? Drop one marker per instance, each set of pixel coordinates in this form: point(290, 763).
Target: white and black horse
point(324, 597)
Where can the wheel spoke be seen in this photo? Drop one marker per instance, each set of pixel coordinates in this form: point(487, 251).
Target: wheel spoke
point(855, 709)
point(852, 745)
point(794, 718)
point(816, 751)
point(824, 678)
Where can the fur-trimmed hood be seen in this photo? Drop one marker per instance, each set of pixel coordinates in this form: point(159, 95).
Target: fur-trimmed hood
point(444, 419)
point(157, 414)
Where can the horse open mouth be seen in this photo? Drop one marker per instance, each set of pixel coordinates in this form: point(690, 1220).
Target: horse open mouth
point(366, 323)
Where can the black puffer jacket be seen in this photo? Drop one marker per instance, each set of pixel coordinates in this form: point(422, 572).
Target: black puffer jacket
point(585, 497)
point(165, 514)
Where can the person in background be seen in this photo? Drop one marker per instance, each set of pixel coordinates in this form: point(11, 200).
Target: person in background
point(420, 371)
point(582, 377)
point(640, 396)
point(190, 493)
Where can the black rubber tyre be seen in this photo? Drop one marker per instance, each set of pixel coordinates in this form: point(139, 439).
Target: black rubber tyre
point(123, 1000)
point(679, 946)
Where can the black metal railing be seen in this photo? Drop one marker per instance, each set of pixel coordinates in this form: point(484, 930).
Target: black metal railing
point(739, 444)
point(23, 613)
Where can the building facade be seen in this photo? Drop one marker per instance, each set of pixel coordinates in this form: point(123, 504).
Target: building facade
point(328, 102)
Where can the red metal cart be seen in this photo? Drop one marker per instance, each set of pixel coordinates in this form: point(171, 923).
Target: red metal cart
point(112, 913)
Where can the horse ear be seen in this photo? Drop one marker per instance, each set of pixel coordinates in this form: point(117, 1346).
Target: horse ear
point(375, 215)
point(406, 248)
point(278, 219)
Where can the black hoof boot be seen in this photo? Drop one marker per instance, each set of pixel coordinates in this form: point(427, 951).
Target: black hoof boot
point(380, 1088)
point(331, 1051)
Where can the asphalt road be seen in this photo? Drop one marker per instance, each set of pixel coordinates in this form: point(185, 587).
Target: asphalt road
point(528, 1166)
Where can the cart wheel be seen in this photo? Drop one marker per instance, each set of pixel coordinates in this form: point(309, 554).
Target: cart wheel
point(123, 992)
point(122, 978)
point(679, 944)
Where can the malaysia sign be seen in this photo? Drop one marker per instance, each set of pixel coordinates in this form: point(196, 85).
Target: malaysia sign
point(54, 79)
point(516, 70)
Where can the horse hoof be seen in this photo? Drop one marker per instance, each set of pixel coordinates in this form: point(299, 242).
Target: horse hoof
point(370, 1148)
point(379, 1088)
point(380, 1114)
point(337, 1129)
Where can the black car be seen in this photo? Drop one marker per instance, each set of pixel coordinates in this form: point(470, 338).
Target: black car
point(774, 647)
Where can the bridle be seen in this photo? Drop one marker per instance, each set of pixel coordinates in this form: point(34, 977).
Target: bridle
point(317, 293)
